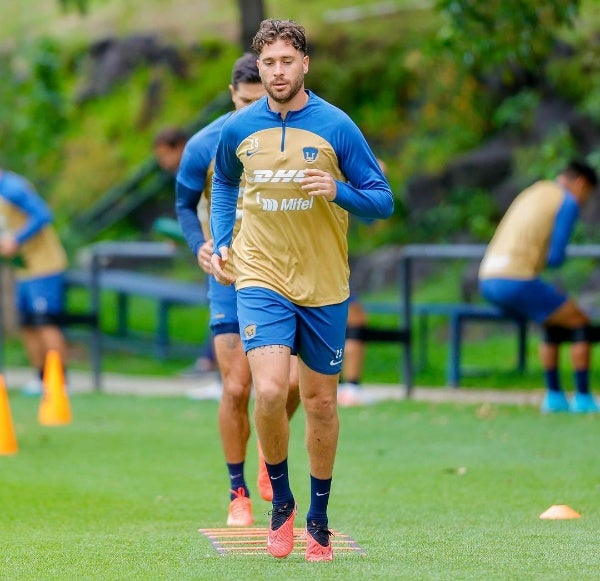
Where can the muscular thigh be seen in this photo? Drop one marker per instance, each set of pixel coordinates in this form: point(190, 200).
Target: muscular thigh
point(233, 363)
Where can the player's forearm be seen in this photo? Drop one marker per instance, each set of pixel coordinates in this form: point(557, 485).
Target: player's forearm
point(186, 209)
point(366, 204)
point(222, 214)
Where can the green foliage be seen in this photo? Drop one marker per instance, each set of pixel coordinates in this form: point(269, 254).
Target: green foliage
point(517, 112)
point(80, 6)
point(373, 88)
point(502, 33)
point(545, 161)
point(32, 90)
point(108, 140)
point(470, 211)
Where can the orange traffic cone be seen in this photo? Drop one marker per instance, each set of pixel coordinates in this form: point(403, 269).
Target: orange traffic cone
point(559, 512)
point(8, 441)
point(54, 409)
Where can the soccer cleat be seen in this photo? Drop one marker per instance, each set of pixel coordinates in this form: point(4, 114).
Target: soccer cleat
point(240, 510)
point(349, 395)
point(280, 539)
point(584, 403)
point(263, 481)
point(34, 387)
point(318, 542)
point(555, 401)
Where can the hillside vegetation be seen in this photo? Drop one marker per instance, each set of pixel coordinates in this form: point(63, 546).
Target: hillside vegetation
point(392, 66)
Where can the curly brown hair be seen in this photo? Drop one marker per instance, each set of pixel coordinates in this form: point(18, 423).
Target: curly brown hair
point(272, 29)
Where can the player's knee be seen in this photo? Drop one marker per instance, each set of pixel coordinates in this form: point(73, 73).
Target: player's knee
point(320, 405)
point(270, 397)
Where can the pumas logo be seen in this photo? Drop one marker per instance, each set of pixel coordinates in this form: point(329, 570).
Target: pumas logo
point(250, 331)
point(287, 204)
point(264, 176)
point(310, 154)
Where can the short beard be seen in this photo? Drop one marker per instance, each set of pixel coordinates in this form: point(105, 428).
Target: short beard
point(293, 91)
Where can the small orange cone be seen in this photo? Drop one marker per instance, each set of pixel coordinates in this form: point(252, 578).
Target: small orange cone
point(8, 441)
point(54, 409)
point(560, 512)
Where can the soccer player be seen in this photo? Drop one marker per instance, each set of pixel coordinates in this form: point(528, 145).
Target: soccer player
point(26, 231)
point(193, 181)
point(307, 165)
point(168, 146)
point(534, 234)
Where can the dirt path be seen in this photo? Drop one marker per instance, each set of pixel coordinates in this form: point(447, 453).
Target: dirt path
point(206, 387)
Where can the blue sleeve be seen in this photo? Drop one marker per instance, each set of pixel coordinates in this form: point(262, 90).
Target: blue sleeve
point(38, 213)
point(225, 192)
point(191, 181)
point(367, 193)
point(186, 205)
point(563, 227)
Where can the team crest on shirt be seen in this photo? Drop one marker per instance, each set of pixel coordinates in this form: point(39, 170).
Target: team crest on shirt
point(250, 331)
point(310, 154)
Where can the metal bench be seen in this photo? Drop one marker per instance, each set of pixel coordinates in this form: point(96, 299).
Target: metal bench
point(166, 292)
point(97, 277)
point(459, 314)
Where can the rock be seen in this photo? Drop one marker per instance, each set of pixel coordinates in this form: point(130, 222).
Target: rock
point(112, 60)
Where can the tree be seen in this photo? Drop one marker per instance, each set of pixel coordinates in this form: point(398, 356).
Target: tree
point(252, 13)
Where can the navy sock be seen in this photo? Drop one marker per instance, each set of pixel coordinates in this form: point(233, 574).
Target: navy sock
point(552, 379)
point(582, 381)
point(278, 473)
point(319, 498)
point(236, 478)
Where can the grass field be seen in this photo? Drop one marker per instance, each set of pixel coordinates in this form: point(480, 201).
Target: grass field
point(429, 492)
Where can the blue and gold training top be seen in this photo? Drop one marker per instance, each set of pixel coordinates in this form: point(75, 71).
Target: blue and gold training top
point(194, 182)
point(28, 218)
point(289, 241)
point(533, 233)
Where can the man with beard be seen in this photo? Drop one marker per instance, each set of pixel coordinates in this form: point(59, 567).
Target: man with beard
point(307, 165)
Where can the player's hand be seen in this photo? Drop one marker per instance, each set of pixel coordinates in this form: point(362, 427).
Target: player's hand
point(317, 182)
point(218, 264)
point(204, 254)
point(8, 245)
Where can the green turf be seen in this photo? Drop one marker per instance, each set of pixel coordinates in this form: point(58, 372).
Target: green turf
point(429, 491)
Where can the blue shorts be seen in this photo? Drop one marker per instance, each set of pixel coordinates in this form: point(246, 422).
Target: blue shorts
point(222, 302)
point(534, 299)
point(41, 296)
point(316, 334)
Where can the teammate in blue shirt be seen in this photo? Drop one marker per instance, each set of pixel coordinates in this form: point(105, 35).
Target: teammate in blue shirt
point(26, 232)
